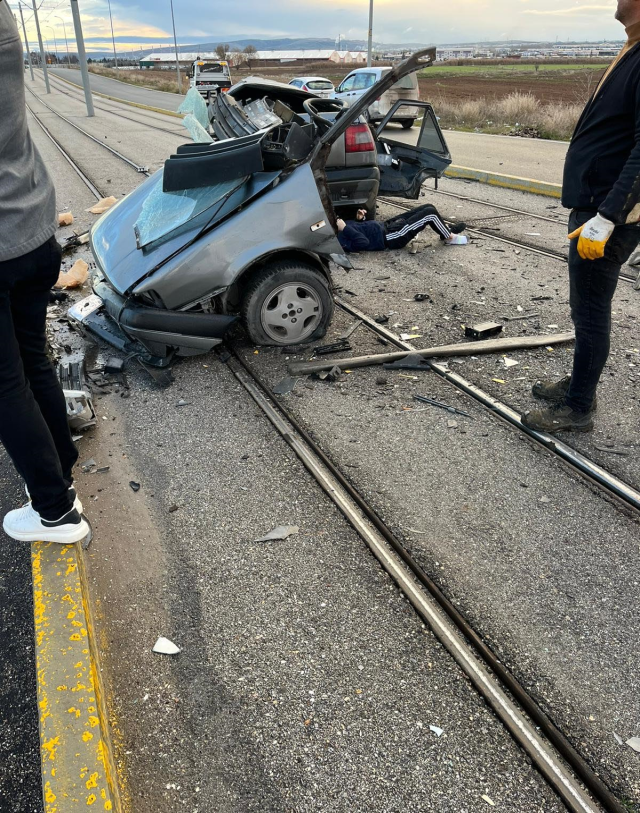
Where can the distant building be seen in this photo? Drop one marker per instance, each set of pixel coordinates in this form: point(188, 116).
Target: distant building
point(167, 59)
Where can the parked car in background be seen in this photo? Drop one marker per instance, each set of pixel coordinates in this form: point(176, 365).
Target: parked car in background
point(358, 82)
point(322, 88)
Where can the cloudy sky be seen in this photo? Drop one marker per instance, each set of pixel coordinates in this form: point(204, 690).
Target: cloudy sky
point(147, 23)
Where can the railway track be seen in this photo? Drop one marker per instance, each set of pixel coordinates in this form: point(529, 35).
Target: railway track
point(550, 254)
point(64, 87)
point(555, 757)
point(557, 220)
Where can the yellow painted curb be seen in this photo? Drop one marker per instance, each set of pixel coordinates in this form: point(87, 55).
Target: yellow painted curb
point(75, 748)
point(552, 190)
point(125, 101)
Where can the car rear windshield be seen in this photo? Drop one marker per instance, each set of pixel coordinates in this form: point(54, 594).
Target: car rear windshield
point(212, 68)
point(319, 84)
point(409, 82)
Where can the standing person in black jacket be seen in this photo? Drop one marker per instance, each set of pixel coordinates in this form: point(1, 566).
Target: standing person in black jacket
point(602, 188)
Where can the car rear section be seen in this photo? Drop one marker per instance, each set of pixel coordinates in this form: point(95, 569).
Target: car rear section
point(406, 89)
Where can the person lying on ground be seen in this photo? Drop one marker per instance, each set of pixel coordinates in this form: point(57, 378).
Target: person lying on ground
point(601, 186)
point(33, 410)
point(375, 235)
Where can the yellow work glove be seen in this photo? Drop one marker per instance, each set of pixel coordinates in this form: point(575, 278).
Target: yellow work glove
point(593, 237)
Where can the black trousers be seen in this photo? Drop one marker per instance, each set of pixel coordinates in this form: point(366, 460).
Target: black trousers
point(402, 229)
point(592, 286)
point(33, 413)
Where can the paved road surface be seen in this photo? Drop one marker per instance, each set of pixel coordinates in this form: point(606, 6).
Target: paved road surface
point(524, 157)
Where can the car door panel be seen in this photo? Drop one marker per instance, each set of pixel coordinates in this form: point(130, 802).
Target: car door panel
point(408, 157)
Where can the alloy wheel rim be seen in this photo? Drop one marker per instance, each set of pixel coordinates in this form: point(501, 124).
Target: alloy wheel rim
point(291, 313)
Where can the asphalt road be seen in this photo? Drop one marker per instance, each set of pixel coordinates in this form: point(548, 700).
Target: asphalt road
point(524, 157)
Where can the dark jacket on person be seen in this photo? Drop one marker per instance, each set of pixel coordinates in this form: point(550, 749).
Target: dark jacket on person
point(602, 168)
point(365, 235)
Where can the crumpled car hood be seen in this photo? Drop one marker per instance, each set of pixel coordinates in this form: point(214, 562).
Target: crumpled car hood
point(113, 237)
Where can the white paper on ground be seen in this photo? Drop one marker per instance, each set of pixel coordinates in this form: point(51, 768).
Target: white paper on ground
point(163, 646)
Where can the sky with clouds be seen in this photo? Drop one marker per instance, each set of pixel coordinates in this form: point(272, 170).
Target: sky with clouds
point(147, 23)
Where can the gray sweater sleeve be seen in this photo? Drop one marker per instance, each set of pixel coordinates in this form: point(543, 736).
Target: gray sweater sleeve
point(27, 197)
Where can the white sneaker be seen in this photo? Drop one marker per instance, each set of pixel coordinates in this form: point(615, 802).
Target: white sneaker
point(456, 240)
point(76, 500)
point(26, 525)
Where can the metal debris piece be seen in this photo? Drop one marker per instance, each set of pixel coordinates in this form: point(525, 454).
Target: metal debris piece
point(350, 331)
point(80, 411)
point(436, 730)
point(163, 646)
point(285, 386)
point(134, 486)
point(114, 364)
point(634, 743)
point(336, 347)
point(103, 469)
point(161, 375)
point(330, 375)
point(182, 403)
point(381, 319)
point(412, 361)
point(279, 533)
point(618, 738)
point(621, 452)
point(423, 298)
point(520, 318)
point(451, 409)
point(482, 330)
point(173, 508)
point(88, 465)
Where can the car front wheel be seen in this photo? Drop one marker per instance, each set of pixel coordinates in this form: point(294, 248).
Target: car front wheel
point(288, 302)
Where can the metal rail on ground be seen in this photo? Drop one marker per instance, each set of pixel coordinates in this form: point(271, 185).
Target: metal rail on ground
point(405, 571)
point(137, 167)
point(558, 221)
point(554, 255)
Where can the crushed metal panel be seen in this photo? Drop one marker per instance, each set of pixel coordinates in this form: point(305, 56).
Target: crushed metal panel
point(80, 411)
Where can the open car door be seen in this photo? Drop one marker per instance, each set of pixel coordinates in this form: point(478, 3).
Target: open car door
point(406, 158)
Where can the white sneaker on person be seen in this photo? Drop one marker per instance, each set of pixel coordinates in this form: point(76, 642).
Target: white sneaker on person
point(456, 240)
point(76, 500)
point(26, 525)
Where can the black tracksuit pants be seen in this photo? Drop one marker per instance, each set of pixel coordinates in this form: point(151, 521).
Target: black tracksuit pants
point(592, 285)
point(33, 413)
point(402, 229)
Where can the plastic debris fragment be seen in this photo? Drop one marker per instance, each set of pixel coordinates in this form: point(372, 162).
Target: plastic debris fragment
point(634, 743)
point(279, 533)
point(76, 276)
point(488, 800)
point(102, 205)
point(436, 730)
point(163, 646)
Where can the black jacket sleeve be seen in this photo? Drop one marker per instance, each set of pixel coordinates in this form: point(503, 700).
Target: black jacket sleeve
point(625, 194)
point(352, 239)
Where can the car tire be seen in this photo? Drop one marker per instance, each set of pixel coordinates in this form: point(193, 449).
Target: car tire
point(407, 124)
point(267, 318)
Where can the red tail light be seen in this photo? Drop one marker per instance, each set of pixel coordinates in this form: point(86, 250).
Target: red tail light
point(304, 87)
point(358, 138)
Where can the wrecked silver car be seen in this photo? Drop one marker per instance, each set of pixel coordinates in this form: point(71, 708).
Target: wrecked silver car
point(242, 227)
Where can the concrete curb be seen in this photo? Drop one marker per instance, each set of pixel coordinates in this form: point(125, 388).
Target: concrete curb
point(552, 190)
point(78, 769)
point(126, 101)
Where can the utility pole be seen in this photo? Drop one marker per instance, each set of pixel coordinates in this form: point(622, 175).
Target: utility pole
point(26, 42)
point(113, 39)
point(64, 28)
point(55, 41)
point(82, 56)
point(370, 42)
point(175, 43)
point(42, 54)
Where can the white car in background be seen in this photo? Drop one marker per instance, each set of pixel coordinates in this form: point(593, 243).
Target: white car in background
point(358, 82)
point(320, 87)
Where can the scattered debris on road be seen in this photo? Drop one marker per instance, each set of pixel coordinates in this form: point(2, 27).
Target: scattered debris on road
point(436, 730)
point(102, 205)
point(75, 277)
point(163, 646)
point(279, 533)
point(424, 400)
point(134, 486)
point(65, 219)
point(482, 330)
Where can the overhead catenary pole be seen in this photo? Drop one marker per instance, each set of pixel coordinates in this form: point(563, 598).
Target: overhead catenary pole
point(26, 43)
point(55, 41)
point(43, 57)
point(113, 39)
point(175, 43)
point(82, 56)
point(66, 41)
point(370, 40)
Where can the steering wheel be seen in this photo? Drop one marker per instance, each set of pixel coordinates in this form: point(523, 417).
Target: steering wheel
point(315, 106)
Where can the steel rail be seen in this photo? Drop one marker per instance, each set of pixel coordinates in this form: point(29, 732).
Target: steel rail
point(592, 471)
point(84, 178)
point(397, 562)
point(554, 255)
point(115, 112)
point(141, 170)
point(549, 219)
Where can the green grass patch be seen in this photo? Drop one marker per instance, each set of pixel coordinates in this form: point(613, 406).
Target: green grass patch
point(497, 71)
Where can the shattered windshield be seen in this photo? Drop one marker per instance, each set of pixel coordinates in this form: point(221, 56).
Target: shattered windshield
point(166, 212)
